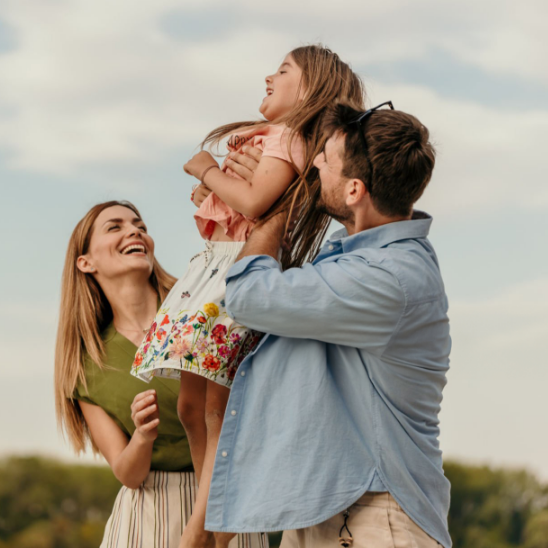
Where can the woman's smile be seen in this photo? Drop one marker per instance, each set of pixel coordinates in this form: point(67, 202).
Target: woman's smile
point(134, 248)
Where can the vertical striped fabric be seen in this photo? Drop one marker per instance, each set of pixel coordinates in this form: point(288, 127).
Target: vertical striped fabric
point(154, 515)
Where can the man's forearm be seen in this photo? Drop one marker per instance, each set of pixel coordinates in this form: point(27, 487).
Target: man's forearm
point(265, 239)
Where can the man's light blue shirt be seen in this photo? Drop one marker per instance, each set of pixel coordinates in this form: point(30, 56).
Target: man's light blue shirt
point(343, 394)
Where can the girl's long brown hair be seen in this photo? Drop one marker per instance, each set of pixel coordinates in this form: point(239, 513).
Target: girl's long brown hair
point(326, 79)
point(84, 313)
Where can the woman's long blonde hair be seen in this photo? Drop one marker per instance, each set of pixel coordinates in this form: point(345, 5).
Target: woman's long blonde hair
point(84, 313)
point(326, 79)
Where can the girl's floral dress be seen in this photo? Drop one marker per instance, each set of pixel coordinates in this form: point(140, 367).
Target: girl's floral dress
point(192, 332)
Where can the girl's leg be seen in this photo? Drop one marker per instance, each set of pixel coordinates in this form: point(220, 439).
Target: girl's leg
point(194, 535)
point(217, 399)
point(191, 407)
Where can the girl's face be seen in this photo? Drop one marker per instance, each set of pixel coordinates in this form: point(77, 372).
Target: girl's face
point(119, 246)
point(281, 90)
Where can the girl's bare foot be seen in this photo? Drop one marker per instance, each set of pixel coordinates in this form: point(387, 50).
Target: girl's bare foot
point(222, 539)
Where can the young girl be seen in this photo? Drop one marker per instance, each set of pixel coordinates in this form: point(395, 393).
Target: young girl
point(192, 336)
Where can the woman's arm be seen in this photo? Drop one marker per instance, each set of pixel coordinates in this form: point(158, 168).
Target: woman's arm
point(129, 460)
point(251, 198)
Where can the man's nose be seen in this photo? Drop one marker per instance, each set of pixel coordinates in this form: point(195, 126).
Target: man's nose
point(268, 79)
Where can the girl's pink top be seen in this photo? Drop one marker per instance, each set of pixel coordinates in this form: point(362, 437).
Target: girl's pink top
point(273, 141)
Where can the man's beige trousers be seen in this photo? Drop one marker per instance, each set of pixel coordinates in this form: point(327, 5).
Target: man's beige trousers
point(376, 521)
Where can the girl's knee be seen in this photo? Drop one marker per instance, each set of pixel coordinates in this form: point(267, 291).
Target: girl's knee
point(217, 398)
point(214, 418)
point(191, 400)
point(190, 411)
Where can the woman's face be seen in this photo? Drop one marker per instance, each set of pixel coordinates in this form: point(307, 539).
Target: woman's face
point(119, 246)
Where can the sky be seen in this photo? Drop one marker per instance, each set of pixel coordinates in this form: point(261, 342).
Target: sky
point(108, 99)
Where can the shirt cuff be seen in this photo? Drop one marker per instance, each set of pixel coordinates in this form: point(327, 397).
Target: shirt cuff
point(253, 262)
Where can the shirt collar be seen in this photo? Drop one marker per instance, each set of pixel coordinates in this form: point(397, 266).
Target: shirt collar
point(380, 236)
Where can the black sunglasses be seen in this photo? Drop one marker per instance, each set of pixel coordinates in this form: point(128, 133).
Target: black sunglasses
point(359, 121)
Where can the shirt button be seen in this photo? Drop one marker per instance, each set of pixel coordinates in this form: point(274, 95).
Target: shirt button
point(224, 454)
point(330, 247)
point(242, 373)
point(233, 412)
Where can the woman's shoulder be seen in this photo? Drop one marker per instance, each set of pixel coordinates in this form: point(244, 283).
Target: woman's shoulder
point(117, 358)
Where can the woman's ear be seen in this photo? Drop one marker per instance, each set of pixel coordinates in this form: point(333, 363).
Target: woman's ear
point(84, 265)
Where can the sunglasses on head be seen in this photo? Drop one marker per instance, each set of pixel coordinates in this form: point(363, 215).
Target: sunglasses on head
point(361, 132)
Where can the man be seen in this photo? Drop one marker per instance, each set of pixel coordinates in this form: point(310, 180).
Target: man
point(331, 428)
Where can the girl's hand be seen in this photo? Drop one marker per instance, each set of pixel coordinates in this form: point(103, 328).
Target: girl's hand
point(200, 194)
point(199, 163)
point(145, 415)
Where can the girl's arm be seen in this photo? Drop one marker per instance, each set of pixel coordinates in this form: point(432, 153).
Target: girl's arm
point(129, 460)
point(244, 165)
point(270, 180)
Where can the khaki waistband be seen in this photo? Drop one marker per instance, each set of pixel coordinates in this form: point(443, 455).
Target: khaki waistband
point(382, 500)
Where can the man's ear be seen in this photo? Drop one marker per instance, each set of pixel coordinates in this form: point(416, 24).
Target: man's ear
point(355, 192)
point(84, 265)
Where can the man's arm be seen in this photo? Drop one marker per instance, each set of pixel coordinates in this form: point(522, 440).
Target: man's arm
point(265, 239)
point(347, 301)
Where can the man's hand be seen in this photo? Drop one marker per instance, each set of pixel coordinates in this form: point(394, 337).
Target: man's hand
point(245, 163)
point(266, 238)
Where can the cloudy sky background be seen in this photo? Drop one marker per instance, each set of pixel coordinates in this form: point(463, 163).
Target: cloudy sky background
point(107, 99)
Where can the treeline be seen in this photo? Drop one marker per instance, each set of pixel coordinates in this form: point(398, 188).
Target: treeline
point(50, 504)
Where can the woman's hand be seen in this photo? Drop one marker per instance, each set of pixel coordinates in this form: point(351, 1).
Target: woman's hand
point(199, 163)
point(145, 415)
point(245, 163)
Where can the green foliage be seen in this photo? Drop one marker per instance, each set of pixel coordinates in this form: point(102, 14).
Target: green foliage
point(49, 504)
point(495, 508)
point(536, 530)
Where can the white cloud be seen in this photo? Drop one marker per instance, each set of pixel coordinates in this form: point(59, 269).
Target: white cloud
point(96, 83)
point(502, 337)
point(511, 39)
point(488, 158)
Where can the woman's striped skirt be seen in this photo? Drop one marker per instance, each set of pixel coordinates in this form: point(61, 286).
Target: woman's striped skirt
point(155, 515)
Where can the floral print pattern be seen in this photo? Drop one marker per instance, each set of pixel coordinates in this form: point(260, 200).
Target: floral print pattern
point(208, 342)
point(192, 330)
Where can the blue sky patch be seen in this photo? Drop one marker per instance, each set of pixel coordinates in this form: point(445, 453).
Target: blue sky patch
point(8, 41)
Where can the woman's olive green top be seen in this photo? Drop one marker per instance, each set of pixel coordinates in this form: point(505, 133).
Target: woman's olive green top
point(113, 389)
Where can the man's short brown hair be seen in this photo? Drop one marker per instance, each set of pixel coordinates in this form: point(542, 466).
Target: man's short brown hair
point(398, 148)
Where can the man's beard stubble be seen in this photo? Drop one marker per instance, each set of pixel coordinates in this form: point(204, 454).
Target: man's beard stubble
point(340, 214)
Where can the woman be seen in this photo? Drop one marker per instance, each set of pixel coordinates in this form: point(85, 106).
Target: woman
point(112, 286)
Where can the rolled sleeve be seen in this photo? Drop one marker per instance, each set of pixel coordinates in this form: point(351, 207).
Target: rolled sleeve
point(349, 301)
